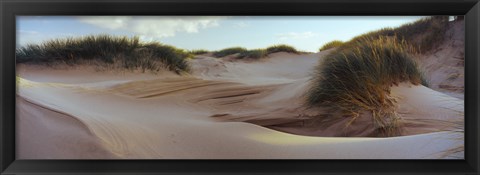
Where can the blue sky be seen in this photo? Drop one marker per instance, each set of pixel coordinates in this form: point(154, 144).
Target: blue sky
point(306, 33)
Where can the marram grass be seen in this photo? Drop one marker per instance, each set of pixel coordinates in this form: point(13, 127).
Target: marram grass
point(128, 52)
point(331, 44)
point(254, 53)
point(281, 48)
point(358, 79)
point(424, 34)
point(198, 52)
point(229, 51)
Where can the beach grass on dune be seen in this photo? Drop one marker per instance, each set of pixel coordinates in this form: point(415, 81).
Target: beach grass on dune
point(281, 48)
point(254, 53)
point(229, 51)
point(331, 44)
point(198, 51)
point(358, 78)
point(425, 33)
point(131, 53)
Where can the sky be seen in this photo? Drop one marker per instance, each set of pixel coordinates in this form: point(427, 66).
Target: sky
point(306, 33)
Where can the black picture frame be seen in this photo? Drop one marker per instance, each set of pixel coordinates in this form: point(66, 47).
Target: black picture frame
point(10, 8)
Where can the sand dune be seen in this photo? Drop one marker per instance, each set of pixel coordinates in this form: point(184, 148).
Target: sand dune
point(278, 68)
point(42, 134)
point(445, 64)
point(224, 110)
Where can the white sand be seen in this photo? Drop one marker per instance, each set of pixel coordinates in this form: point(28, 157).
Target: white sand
point(216, 113)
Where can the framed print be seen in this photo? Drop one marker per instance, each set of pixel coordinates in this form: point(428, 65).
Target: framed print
point(239, 87)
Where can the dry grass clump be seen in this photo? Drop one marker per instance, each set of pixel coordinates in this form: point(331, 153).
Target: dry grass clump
point(198, 52)
point(358, 79)
point(229, 51)
point(281, 48)
point(128, 52)
point(425, 33)
point(331, 44)
point(254, 53)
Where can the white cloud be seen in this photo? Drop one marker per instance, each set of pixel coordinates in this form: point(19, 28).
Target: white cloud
point(241, 24)
point(25, 37)
point(154, 27)
point(296, 35)
point(109, 22)
point(28, 32)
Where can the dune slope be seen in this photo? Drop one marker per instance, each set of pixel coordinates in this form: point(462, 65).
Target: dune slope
point(444, 65)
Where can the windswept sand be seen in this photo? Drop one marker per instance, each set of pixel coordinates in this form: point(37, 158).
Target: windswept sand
point(225, 110)
point(445, 65)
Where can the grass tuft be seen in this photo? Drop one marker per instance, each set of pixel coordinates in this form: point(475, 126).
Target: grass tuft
point(255, 53)
point(229, 51)
point(358, 79)
point(129, 52)
point(425, 33)
point(281, 48)
point(198, 52)
point(331, 44)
